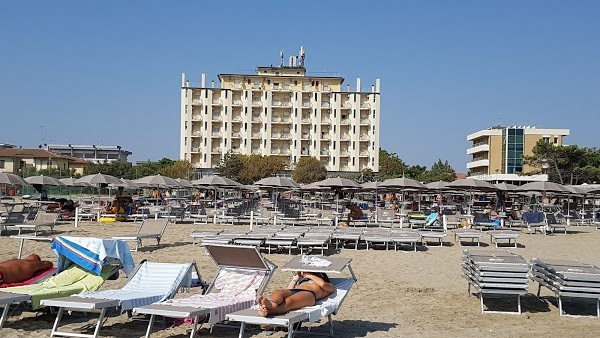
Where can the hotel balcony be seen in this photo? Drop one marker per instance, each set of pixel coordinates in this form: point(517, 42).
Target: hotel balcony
point(306, 121)
point(236, 119)
point(326, 88)
point(325, 120)
point(216, 118)
point(256, 136)
point(196, 102)
point(256, 87)
point(345, 137)
point(217, 102)
point(345, 121)
point(365, 105)
point(306, 105)
point(365, 122)
point(305, 153)
point(216, 134)
point(281, 88)
point(325, 153)
point(478, 163)
point(236, 135)
point(344, 168)
point(325, 104)
point(195, 149)
point(256, 152)
point(363, 154)
point(197, 117)
point(344, 153)
point(236, 151)
point(346, 105)
point(305, 136)
point(215, 151)
point(325, 137)
point(364, 137)
point(196, 133)
point(478, 148)
point(236, 103)
point(256, 119)
point(256, 103)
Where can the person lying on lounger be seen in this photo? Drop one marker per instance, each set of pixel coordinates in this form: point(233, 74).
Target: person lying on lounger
point(19, 270)
point(304, 290)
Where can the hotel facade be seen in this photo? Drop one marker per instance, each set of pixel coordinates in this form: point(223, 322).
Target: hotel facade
point(281, 111)
point(497, 152)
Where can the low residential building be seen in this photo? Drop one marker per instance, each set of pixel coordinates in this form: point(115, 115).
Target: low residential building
point(19, 160)
point(91, 153)
point(497, 152)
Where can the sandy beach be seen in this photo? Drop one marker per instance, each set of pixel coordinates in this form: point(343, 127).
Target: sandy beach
point(399, 293)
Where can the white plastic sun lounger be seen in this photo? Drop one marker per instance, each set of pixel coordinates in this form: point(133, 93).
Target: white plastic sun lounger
point(325, 307)
point(151, 282)
point(150, 228)
point(243, 274)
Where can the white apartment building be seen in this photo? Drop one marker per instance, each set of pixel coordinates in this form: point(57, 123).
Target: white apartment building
point(281, 111)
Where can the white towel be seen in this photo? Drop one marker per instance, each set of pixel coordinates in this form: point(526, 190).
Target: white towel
point(314, 261)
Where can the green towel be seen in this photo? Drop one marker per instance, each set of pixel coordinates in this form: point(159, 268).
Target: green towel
point(72, 281)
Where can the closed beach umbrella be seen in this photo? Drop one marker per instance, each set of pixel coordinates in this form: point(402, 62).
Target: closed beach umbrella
point(44, 180)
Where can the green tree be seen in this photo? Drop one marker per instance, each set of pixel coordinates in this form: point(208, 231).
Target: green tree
point(415, 171)
point(256, 167)
point(562, 164)
point(309, 170)
point(368, 175)
point(440, 171)
point(231, 165)
point(390, 165)
point(178, 169)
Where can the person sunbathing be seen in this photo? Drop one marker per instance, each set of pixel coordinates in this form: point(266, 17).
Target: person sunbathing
point(304, 290)
point(19, 270)
point(355, 212)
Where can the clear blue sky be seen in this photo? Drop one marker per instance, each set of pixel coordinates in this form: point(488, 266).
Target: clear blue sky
point(109, 72)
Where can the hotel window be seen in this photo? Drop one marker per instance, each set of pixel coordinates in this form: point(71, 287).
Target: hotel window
point(2, 164)
point(546, 139)
point(555, 140)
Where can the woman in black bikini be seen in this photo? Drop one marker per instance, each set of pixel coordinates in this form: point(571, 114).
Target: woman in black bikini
point(304, 290)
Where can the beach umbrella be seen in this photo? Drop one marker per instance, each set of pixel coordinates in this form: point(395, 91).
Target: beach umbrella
point(506, 187)
point(338, 182)
point(72, 182)
point(98, 180)
point(183, 183)
point(403, 184)
point(216, 181)
point(470, 185)
point(157, 181)
point(544, 187)
point(44, 180)
point(437, 186)
point(125, 183)
point(277, 182)
point(11, 179)
point(370, 186)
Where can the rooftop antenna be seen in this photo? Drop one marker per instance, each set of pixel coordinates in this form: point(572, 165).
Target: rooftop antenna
point(302, 55)
point(281, 54)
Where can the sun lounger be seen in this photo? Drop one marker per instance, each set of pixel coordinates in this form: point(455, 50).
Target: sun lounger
point(343, 236)
point(472, 234)
point(553, 224)
point(243, 274)
point(377, 237)
point(405, 236)
point(496, 273)
point(508, 235)
point(324, 308)
point(567, 280)
point(11, 219)
point(535, 222)
point(150, 228)
point(151, 282)
point(42, 219)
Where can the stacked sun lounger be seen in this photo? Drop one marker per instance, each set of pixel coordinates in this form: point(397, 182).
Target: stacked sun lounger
point(567, 279)
point(496, 274)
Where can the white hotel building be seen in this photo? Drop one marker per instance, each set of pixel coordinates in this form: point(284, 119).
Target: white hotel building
point(281, 111)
